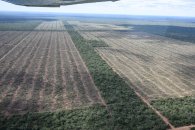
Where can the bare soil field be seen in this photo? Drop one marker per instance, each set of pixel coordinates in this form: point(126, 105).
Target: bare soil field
point(43, 71)
point(10, 39)
point(51, 25)
point(96, 26)
point(158, 67)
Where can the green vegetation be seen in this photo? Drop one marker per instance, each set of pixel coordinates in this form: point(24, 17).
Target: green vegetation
point(19, 25)
point(92, 118)
point(180, 111)
point(126, 109)
point(96, 43)
point(180, 33)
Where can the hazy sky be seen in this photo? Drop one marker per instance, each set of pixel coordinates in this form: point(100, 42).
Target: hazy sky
point(129, 7)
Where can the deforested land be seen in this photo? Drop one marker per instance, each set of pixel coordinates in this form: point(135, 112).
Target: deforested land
point(65, 72)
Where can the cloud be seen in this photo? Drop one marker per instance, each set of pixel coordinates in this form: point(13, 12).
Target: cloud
point(157, 3)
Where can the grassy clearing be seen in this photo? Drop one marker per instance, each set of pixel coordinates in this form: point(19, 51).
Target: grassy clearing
point(126, 109)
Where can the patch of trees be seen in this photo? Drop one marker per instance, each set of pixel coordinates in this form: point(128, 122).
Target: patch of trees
point(97, 43)
point(180, 111)
point(92, 118)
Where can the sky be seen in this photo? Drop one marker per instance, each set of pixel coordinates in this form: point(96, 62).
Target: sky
point(125, 7)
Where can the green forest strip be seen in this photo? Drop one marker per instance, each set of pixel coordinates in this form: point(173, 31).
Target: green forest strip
point(92, 118)
point(126, 109)
point(180, 111)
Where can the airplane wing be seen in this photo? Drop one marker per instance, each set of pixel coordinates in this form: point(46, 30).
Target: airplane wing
point(52, 3)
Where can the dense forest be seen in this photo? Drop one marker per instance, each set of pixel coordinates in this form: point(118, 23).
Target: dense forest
point(180, 33)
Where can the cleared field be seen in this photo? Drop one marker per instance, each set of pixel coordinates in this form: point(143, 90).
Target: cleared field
point(9, 40)
point(43, 71)
point(51, 25)
point(96, 26)
point(157, 66)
